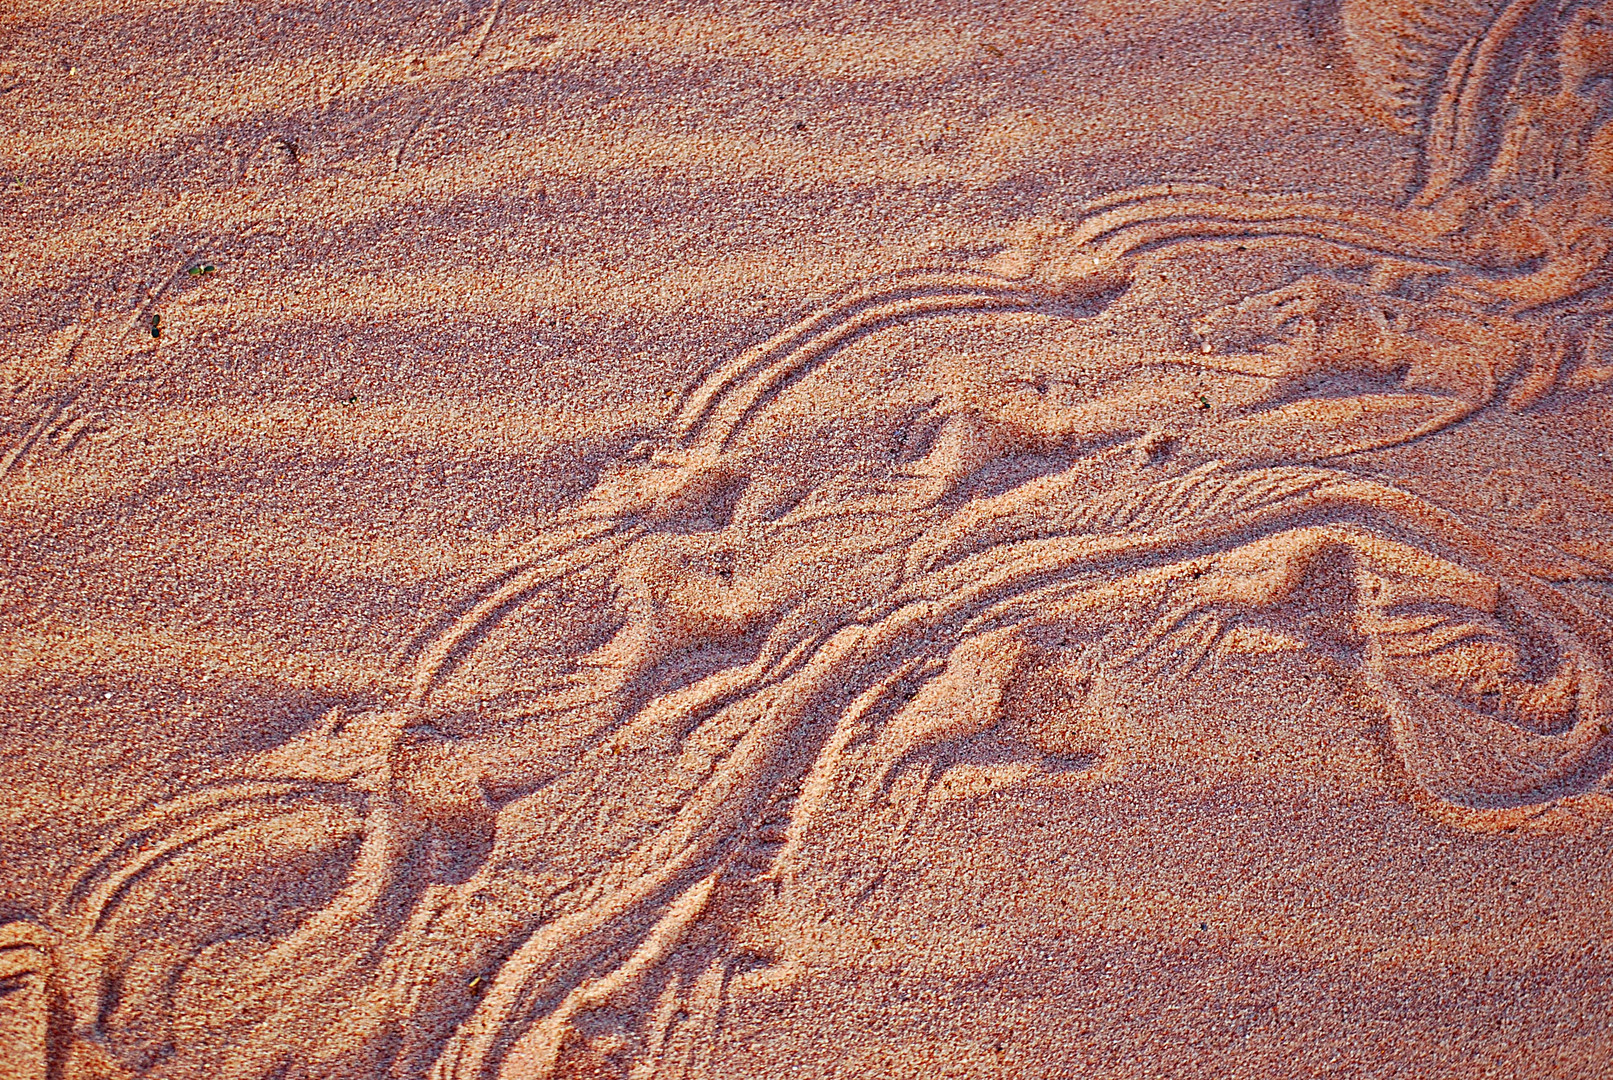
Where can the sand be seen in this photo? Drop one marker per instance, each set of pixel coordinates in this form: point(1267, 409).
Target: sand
point(821, 540)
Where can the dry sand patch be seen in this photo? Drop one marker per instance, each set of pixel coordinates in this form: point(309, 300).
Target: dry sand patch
point(816, 539)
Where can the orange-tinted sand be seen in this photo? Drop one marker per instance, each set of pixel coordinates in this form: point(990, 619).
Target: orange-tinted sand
point(814, 540)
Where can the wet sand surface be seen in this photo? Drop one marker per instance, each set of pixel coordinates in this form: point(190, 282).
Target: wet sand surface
point(820, 540)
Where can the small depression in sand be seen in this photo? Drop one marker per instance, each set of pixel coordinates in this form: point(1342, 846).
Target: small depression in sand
point(823, 540)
